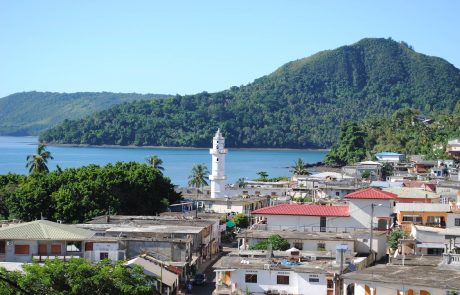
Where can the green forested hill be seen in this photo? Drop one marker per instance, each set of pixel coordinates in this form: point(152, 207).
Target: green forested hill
point(29, 113)
point(300, 105)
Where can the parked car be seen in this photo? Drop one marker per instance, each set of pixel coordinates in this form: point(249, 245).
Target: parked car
point(199, 279)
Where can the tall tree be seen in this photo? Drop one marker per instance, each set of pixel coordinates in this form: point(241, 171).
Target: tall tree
point(300, 167)
point(263, 176)
point(350, 148)
point(198, 177)
point(155, 162)
point(241, 182)
point(37, 162)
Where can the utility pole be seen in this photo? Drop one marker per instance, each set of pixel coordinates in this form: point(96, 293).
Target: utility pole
point(372, 229)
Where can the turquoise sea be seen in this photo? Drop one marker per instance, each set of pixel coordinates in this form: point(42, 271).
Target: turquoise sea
point(178, 162)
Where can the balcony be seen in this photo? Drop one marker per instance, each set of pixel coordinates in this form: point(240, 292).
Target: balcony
point(224, 289)
point(42, 258)
point(450, 258)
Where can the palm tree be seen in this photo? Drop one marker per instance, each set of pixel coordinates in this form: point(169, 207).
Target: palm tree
point(37, 163)
point(155, 162)
point(198, 177)
point(299, 167)
point(263, 176)
point(241, 183)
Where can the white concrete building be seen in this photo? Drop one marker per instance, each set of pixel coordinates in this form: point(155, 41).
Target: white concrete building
point(217, 177)
point(371, 202)
point(278, 275)
point(390, 157)
point(403, 280)
point(428, 240)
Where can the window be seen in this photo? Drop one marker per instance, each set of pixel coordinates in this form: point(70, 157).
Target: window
point(298, 245)
point(250, 278)
point(330, 284)
point(42, 249)
point(412, 218)
point(435, 251)
point(337, 194)
point(89, 246)
point(2, 247)
point(433, 220)
point(217, 159)
point(103, 255)
point(73, 246)
point(282, 280)
point(313, 280)
point(457, 221)
point(321, 246)
point(21, 249)
point(56, 249)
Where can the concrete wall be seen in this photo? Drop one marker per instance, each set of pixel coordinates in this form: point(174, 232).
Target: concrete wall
point(224, 208)
point(379, 244)
point(312, 245)
point(298, 282)
point(110, 248)
point(392, 289)
point(332, 192)
point(309, 223)
point(10, 256)
point(451, 220)
point(360, 211)
point(174, 251)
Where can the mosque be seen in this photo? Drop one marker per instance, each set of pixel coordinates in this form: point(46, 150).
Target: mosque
point(222, 198)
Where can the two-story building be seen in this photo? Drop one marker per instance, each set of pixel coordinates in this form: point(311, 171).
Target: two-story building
point(427, 214)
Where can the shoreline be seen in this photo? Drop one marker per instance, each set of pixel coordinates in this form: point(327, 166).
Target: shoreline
point(114, 146)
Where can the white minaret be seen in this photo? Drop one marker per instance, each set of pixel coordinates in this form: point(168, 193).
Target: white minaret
point(217, 176)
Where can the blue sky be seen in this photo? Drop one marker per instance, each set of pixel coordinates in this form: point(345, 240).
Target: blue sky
point(190, 46)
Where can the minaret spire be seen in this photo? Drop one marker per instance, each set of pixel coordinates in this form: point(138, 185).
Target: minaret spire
point(217, 177)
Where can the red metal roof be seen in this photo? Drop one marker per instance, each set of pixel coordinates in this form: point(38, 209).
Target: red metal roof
point(371, 193)
point(304, 210)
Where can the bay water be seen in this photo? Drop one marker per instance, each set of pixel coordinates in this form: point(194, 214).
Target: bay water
point(177, 162)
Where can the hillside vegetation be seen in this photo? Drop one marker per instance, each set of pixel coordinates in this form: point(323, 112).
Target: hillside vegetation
point(29, 113)
point(403, 132)
point(300, 105)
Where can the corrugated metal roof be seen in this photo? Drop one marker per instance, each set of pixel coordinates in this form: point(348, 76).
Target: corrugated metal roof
point(152, 269)
point(44, 230)
point(304, 210)
point(371, 193)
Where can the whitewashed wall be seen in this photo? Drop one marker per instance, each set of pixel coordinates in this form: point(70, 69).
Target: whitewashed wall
point(298, 282)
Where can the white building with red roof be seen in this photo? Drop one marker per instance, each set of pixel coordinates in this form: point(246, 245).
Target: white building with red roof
point(344, 218)
point(304, 217)
point(372, 202)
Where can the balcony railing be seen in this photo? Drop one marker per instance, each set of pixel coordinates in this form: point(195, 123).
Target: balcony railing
point(224, 289)
point(450, 258)
point(42, 258)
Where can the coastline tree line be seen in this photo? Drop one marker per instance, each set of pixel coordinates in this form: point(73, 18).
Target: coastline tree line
point(76, 195)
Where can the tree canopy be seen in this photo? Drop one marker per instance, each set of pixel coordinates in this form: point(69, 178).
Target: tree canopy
point(79, 194)
point(406, 131)
point(37, 163)
point(300, 105)
point(277, 242)
point(76, 277)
